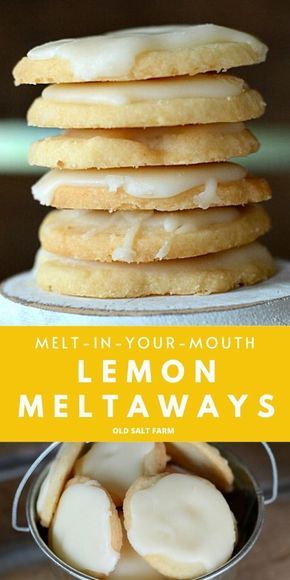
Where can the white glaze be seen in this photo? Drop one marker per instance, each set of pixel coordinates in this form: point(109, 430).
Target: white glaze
point(113, 54)
point(131, 566)
point(209, 196)
point(114, 465)
point(81, 532)
point(123, 93)
point(153, 183)
point(126, 252)
point(131, 222)
point(180, 519)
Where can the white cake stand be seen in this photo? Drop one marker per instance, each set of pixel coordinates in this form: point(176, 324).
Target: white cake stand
point(268, 303)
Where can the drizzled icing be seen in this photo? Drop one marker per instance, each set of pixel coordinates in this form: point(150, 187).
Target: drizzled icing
point(130, 223)
point(146, 183)
point(122, 93)
point(209, 195)
point(113, 54)
point(126, 253)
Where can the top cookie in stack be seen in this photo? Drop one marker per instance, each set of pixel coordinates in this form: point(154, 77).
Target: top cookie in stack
point(151, 123)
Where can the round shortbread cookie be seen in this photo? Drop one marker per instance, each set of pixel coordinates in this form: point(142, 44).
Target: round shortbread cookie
point(174, 522)
point(162, 189)
point(52, 486)
point(148, 236)
point(117, 465)
point(102, 149)
point(203, 460)
point(86, 531)
point(140, 53)
point(206, 275)
point(208, 98)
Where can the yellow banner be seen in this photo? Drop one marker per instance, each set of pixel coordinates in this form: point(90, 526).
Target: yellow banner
point(126, 383)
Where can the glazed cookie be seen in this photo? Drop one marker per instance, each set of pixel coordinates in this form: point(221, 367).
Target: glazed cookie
point(207, 98)
point(204, 460)
point(163, 189)
point(52, 486)
point(101, 149)
point(174, 522)
point(206, 275)
point(117, 465)
point(140, 53)
point(136, 236)
point(86, 531)
point(131, 566)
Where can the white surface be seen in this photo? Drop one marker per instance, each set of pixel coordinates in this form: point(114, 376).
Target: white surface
point(260, 304)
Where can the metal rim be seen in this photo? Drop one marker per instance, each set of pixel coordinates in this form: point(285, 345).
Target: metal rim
point(30, 514)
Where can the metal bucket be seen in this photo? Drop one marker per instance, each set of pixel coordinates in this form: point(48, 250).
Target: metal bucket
point(247, 502)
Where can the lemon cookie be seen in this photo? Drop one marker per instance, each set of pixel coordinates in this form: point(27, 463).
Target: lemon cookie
point(206, 275)
point(174, 521)
point(145, 236)
point(163, 189)
point(131, 566)
point(204, 460)
point(206, 98)
point(86, 531)
point(140, 53)
point(52, 486)
point(117, 465)
point(101, 149)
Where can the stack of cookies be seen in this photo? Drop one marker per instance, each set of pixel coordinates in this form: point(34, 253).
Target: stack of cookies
point(131, 511)
point(147, 201)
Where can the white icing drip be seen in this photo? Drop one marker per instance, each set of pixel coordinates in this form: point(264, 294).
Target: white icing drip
point(164, 250)
point(173, 223)
point(113, 55)
point(190, 531)
point(114, 465)
point(126, 253)
point(209, 195)
point(122, 93)
point(81, 532)
point(153, 183)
